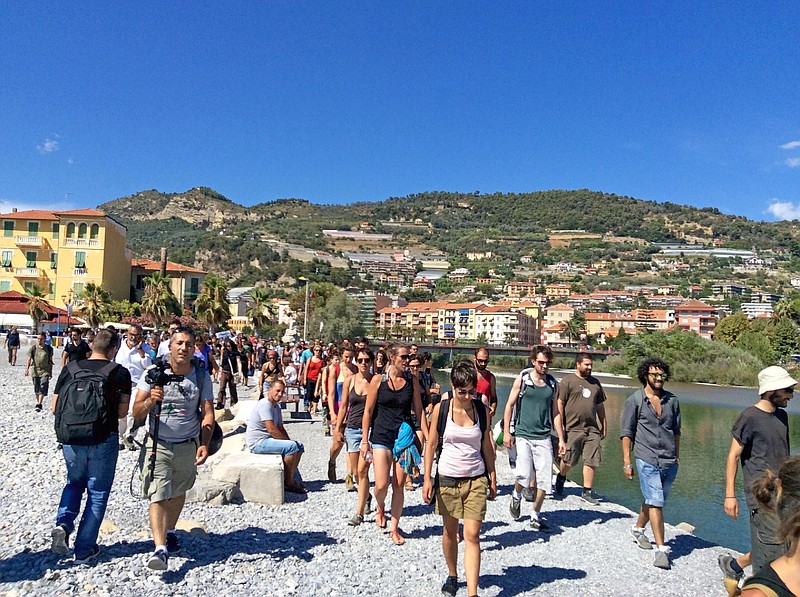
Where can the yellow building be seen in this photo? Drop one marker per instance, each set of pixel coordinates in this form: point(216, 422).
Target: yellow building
point(62, 251)
point(185, 281)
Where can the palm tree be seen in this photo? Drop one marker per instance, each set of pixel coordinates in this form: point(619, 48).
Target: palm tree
point(158, 300)
point(95, 303)
point(211, 305)
point(37, 306)
point(261, 310)
point(572, 329)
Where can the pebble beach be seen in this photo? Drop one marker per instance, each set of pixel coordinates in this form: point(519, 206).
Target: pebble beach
point(305, 547)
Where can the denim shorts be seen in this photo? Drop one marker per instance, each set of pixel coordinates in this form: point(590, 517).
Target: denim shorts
point(655, 483)
point(381, 447)
point(284, 447)
point(353, 439)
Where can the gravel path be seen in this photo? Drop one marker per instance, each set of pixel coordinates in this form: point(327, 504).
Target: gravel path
point(305, 547)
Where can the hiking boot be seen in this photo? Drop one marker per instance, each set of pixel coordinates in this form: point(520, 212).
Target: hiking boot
point(173, 546)
point(332, 471)
point(640, 538)
point(89, 556)
point(450, 586)
point(356, 520)
point(348, 482)
point(725, 562)
point(661, 560)
point(560, 480)
point(538, 524)
point(513, 508)
point(158, 561)
point(59, 541)
point(589, 497)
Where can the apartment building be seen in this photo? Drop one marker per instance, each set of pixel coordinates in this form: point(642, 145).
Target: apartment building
point(558, 314)
point(457, 321)
point(557, 290)
point(696, 316)
point(515, 289)
point(62, 251)
point(185, 280)
point(416, 319)
point(505, 325)
point(601, 323)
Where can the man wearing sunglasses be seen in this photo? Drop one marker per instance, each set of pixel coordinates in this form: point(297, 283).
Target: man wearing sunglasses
point(651, 419)
point(134, 355)
point(487, 387)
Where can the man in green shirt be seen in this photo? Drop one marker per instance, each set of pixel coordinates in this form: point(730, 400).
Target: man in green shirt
point(532, 402)
point(41, 357)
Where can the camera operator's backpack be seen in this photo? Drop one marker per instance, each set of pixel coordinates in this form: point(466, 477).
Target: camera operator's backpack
point(82, 410)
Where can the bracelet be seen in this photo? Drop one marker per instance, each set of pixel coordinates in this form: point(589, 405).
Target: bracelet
point(730, 497)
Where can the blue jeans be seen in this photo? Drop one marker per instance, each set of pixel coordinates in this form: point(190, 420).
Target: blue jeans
point(655, 482)
point(90, 469)
point(284, 447)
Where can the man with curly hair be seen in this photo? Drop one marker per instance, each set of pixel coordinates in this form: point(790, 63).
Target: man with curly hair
point(651, 420)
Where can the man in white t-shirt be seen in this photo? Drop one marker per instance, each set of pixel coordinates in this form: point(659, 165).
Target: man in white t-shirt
point(163, 348)
point(134, 355)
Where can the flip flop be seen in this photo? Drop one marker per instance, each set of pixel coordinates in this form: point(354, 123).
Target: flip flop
point(397, 538)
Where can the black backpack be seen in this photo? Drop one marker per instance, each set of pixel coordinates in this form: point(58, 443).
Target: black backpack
point(82, 409)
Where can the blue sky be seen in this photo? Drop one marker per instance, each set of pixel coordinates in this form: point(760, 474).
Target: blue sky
point(337, 102)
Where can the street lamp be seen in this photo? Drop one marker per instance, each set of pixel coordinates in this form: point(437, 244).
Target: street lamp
point(305, 314)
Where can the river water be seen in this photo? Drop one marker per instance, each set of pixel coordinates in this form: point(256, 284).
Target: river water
point(708, 413)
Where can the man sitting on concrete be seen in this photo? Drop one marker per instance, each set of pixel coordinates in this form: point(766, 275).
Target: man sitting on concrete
point(266, 434)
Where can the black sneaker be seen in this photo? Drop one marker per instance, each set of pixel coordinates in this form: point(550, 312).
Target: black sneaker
point(59, 541)
point(38, 408)
point(173, 547)
point(588, 497)
point(89, 556)
point(560, 480)
point(538, 524)
point(450, 586)
point(158, 561)
point(513, 507)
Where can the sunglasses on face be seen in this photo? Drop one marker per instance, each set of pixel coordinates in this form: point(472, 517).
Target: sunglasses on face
point(543, 363)
point(362, 361)
point(404, 357)
point(482, 361)
point(658, 376)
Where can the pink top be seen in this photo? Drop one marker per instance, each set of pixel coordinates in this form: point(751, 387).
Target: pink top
point(461, 451)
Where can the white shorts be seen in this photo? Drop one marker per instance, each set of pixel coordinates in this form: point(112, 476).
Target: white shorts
point(534, 462)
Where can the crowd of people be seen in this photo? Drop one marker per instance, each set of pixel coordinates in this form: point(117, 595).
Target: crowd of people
point(384, 408)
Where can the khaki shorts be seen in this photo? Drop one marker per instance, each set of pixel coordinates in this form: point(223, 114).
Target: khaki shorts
point(175, 470)
point(585, 443)
point(465, 501)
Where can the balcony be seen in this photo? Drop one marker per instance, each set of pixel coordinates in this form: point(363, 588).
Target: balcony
point(28, 272)
point(79, 272)
point(30, 241)
point(82, 242)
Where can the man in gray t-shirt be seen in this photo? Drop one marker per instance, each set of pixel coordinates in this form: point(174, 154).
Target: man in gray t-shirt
point(179, 408)
point(267, 435)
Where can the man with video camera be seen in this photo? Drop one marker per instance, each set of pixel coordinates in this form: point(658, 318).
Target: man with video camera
point(177, 398)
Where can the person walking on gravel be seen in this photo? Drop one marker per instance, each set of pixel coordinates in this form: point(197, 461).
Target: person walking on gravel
point(40, 356)
point(12, 344)
point(464, 474)
point(651, 421)
point(91, 460)
point(583, 414)
point(185, 416)
point(761, 443)
point(134, 355)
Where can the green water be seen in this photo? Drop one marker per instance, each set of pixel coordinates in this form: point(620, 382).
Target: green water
point(708, 413)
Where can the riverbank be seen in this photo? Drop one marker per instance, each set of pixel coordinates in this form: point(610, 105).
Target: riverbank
point(305, 547)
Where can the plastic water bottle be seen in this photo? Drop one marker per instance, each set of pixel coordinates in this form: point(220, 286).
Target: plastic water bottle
point(368, 457)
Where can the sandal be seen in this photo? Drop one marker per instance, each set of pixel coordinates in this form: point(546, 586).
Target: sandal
point(397, 538)
point(380, 519)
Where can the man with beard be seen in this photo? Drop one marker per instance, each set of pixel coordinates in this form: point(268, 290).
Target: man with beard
point(486, 382)
point(651, 420)
point(583, 415)
point(761, 442)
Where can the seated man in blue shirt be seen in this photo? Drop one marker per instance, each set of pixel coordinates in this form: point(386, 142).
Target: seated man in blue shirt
point(266, 434)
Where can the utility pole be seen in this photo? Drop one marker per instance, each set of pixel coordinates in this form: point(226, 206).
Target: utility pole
point(164, 261)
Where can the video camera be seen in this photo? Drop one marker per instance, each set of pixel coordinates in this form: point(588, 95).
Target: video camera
point(158, 376)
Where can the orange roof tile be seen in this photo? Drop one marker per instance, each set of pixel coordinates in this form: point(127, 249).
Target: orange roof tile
point(92, 213)
point(150, 265)
point(30, 214)
point(560, 306)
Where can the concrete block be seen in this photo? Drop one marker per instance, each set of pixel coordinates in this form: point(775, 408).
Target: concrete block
point(258, 476)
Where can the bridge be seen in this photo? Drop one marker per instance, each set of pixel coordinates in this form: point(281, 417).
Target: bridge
point(515, 351)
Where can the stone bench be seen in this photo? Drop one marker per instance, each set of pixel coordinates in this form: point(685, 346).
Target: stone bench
point(259, 477)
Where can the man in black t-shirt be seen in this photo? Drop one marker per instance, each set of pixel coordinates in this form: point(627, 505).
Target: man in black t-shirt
point(761, 442)
point(12, 343)
point(91, 467)
point(76, 349)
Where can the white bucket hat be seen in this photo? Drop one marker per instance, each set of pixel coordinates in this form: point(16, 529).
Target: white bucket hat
point(774, 378)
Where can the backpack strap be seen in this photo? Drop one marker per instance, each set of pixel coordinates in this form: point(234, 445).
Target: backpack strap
point(441, 423)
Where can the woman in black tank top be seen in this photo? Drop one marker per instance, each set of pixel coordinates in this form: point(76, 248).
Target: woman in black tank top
point(390, 401)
